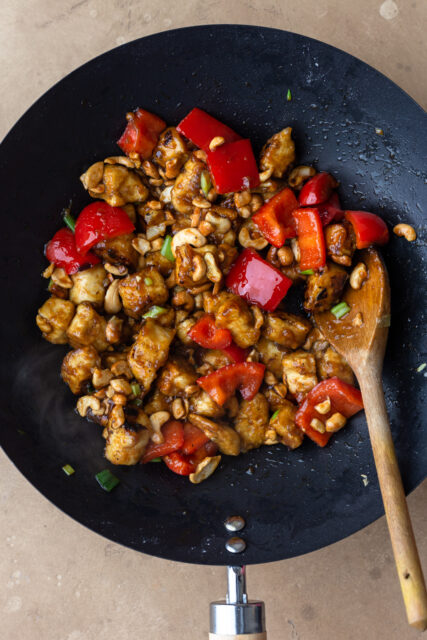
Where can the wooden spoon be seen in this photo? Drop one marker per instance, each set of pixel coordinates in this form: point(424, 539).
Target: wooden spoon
point(363, 347)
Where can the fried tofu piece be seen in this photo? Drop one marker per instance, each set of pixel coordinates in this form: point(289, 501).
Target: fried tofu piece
point(324, 289)
point(340, 242)
point(187, 186)
point(278, 153)
point(286, 329)
point(176, 375)
point(299, 372)
point(271, 355)
point(215, 358)
point(141, 290)
point(115, 183)
point(232, 312)
point(87, 328)
point(252, 421)
point(170, 152)
point(225, 437)
point(78, 366)
point(89, 286)
point(150, 352)
point(156, 401)
point(284, 425)
point(118, 250)
point(53, 319)
point(330, 364)
point(126, 445)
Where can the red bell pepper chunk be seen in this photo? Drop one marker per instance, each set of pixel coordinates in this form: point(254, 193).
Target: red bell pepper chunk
point(62, 251)
point(317, 190)
point(331, 210)
point(222, 383)
point(274, 219)
point(194, 438)
point(311, 240)
point(237, 354)
point(207, 449)
point(368, 228)
point(200, 127)
point(345, 399)
point(173, 433)
point(208, 335)
point(256, 280)
point(179, 463)
point(141, 133)
point(98, 221)
point(233, 167)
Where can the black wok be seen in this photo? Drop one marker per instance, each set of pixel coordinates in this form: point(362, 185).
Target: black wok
point(293, 502)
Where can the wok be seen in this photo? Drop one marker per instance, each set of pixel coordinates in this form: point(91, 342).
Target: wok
point(293, 502)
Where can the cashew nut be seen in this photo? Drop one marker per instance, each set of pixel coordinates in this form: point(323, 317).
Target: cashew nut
point(299, 175)
point(93, 176)
point(121, 386)
point(101, 378)
point(199, 270)
point(112, 302)
point(61, 278)
point(89, 402)
point(246, 239)
point(166, 195)
point(217, 141)
point(405, 231)
point(141, 245)
point(178, 409)
point(258, 316)
point(335, 422)
point(286, 256)
point(157, 420)
point(113, 330)
point(213, 272)
point(222, 225)
point(295, 249)
point(124, 160)
point(358, 275)
point(117, 417)
point(204, 469)
point(189, 236)
point(116, 269)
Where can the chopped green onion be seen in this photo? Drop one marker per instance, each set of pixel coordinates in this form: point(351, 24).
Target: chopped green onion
point(148, 282)
point(275, 414)
point(50, 285)
point(107, 480)
point(421, 367)
point(307, 272)
point(341, 309)
point(68, 469)
point(379, 131)
point(156, 460)
point(154, 312)
point(136, 389)
point(289, 95)
point(137, 402)
point(166, 249)
point(205, 183)
point(68, 218)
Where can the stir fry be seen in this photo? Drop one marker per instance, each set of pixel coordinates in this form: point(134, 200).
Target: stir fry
point(171, 290)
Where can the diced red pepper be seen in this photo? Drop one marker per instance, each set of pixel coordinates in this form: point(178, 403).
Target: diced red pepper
point(345, 399)
point(173, 433)
point(194, 438)
point(317, 190)
point(141, 133)
point(98, 221)
point(208, 335)
point(206, 450)
point(368, 228)
point(62, 251)
point(256, 280)
point(274, 219)
point(237, 354)
point(311, 240)
point(331, 210)
point(233, 167)
point(200, 127)
point(179, 463)
point(222, 383)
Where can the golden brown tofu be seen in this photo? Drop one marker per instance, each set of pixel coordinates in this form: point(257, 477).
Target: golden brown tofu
point(232, 312)
point(126, 445)
point(162, 264)
point(299, 372)
point(286, 329)
point(89, 286)
point(284, 425)
point(187, 186)
point(340, 242)
point(53, 319)
point(175, 376)
point(149, 352)
point(77, 367)
point(190, 268)
point(331, 364)
point(324, 289)
point(115, 183)
point(202, 403)
point(278, 153)
point(156, 401)
point(118, 250)
point(252, 421)
point(271, 355)
point(142, 290)
point(225, 437)
point(170, 152)
point(87, 328)
point(215, 358)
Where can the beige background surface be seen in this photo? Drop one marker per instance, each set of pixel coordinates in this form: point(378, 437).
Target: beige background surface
point(58, 581)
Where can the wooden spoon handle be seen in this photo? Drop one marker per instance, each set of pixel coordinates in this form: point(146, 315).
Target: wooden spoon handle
point(398, 519)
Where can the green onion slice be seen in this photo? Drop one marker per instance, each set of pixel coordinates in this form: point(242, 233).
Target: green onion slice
point(136, 389)
point(68, 469)
point(156, 460)
point(341, 309)
point(68, 218)
point(289, 95)
point(137, 402)
point(154, 312)
point(275, 414)
point(50, 285)
point(107, 480)
point(205, 182)
point(148, 282)
point(166, 249)
point(307, 272)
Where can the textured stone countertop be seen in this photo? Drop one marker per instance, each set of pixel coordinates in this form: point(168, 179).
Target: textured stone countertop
point(60, 581)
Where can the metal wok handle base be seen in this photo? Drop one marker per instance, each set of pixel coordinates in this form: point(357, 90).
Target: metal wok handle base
point(237, 618)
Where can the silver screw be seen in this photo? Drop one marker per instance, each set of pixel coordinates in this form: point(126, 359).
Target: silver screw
point(234, 523)
point(235, 545)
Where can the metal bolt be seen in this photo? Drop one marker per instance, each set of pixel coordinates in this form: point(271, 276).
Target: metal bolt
point(235, 545)
point(234, 523)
